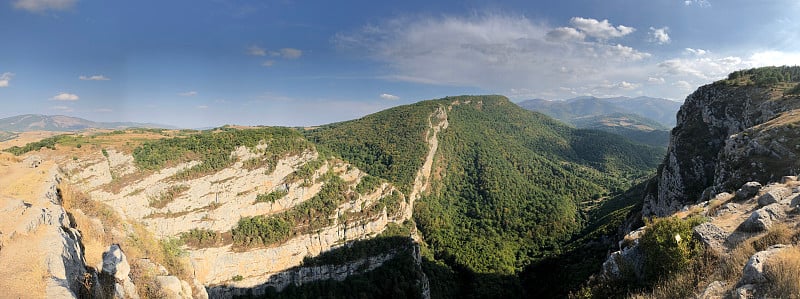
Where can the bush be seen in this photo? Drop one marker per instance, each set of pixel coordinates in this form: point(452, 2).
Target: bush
point(168, 196)
point(669, 247)
point(272, 196)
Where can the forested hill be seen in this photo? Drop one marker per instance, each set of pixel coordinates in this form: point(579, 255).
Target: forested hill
point(506, 185)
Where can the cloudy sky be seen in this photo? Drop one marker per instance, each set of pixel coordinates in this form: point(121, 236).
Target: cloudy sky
point(195, 63)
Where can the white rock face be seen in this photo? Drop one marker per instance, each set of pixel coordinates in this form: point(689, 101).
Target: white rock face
point(217, 201)
point(174, 288)
point(712, 148)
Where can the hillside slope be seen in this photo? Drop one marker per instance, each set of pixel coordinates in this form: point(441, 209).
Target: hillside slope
point(631, 126)
point(506, 182)
point(449, 197)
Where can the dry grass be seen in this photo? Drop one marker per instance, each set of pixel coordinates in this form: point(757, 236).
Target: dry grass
point(732, 265)
point(714, 204)
point(22, 268)
point(780, 233)
point(783, 271)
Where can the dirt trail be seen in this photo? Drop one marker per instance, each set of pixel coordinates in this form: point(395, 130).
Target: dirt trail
point(422, 180)
point(22, 266)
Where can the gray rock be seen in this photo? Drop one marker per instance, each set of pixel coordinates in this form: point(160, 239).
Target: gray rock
point(711, 235)
point(628, 261)
point(747, 291)
point(714, 290)
point(753, 272)
point(774, 194)
point(748, 190)
point(173, 287)
point(762, 218)
point(116, 264)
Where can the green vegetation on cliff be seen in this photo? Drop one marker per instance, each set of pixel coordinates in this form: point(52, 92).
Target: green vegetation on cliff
point(506, 182)
point(213, 149)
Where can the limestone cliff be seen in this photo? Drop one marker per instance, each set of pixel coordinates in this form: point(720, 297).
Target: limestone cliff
point(727, 133)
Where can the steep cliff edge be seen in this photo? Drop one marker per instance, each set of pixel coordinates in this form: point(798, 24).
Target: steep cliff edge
point(729, 132)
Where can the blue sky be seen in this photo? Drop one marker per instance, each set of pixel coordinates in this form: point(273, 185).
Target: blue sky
point(194, 63)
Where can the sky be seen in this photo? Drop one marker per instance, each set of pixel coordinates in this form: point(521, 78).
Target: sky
point(204, 63)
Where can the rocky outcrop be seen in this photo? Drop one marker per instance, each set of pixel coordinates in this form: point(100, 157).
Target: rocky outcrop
point(726, 135)
point(761, 219)
point(711, 236)
point(38, 238)
point(753, 272)
point(115, 264)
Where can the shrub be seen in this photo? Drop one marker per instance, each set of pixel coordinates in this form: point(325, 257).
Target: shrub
point(168, 196)
point(668, 246)
point(201, 237)
point(272, 196)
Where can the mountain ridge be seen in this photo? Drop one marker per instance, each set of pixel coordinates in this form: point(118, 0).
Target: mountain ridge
point(658, 109)
point(63, 123)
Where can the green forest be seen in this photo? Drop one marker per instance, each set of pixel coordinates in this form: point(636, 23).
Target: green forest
point(508, 188)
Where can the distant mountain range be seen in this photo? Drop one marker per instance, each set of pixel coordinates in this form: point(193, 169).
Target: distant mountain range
point(660, 110)
point(642, 119)
point(61, 123)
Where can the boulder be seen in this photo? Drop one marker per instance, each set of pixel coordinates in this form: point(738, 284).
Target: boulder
point(747, 291)
point(711, 236)
point(714, 290)
point(628, 261)
point(748, 190)
point(762, 218)
point(116, 264)
point(788, 178)
point(753, 272)
point(774, 195)
point(173, 287)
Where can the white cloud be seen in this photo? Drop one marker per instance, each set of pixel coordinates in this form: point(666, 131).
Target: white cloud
point(44, 5)
point(659, 35)
point(5, 79)
point(565, 34)
point(62, 108)
point(627, 85)
point(94, 78)
point(656, 80)
point(701, 3)
point(268, 63)
point(188, 93)
point(498, 53)
point(202, 107)
point(685, 86)
point(65, 97)
point(775, 58)
point(103, 110)
point(696, 52)
point(291, 53)
point(256, 51)
point(390, 97)
point(601, 30)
